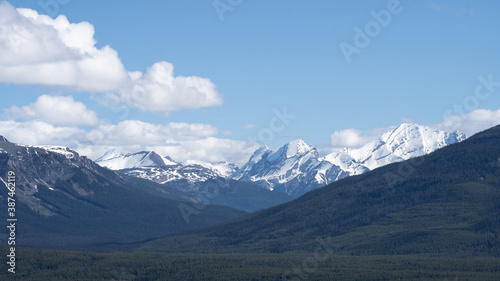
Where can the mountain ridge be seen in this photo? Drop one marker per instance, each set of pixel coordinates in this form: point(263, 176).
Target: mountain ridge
point(446, 203)
point(296, 167)
point(68, 201)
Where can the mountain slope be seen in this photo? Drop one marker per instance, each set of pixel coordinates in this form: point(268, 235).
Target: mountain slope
point(277, 169)
point(402, 143)
point(67, 201)
point(114, 160)
point(152, 166)
point(196, 179)
point(198, 182)
point(228, 192)
point(445, 203)
point(225, 169)
point(296, 168)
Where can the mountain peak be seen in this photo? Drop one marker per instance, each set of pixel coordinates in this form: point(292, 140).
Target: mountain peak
point(405, 141)
point(110, 154)
point(297, 147)
point(158, 159)
point(3, 139)
point(403, 129)
point(409, 125)
point(115, 160)
point(296, 167)
point(257, 155)
point(223, 168)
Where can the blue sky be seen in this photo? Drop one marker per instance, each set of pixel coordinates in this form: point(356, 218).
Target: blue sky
point(261, 57)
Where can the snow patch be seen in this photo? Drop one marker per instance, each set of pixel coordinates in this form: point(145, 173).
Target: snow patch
point(68, 153)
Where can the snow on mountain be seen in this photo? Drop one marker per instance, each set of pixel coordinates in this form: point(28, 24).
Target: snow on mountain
point(297, 147)
point(225, 169)
point(166, 174)
point(345, 161)
point(270, 167)
point(402, 143)
point(296, 167)
point(115, 160)
point(57, 149)
point(113, 153)
point(152, 166)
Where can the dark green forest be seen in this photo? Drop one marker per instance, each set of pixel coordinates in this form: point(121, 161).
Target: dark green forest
point(34, 264)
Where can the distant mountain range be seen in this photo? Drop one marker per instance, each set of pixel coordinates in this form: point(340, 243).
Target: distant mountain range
point(67, 201)
point(295, 168)
point(152, 166)
point(444, 204)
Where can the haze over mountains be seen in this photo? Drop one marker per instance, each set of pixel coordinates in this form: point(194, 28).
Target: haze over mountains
point(295, 168)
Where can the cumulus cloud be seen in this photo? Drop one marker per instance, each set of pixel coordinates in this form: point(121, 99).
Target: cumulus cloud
point(209, 149)
point(37, 49)
point(181, 141)
point(132, 132)
point(471, 123)
point(159, 90)
point(57, 110)
point(37, 132)
point(349, 138)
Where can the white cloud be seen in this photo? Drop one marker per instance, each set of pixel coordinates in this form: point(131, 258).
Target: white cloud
point(37, 49)
point(159, 90)
point(209, 149)
point(57, 110)
point(349, 138)
point(471, 123)
point(181, 141)
point(134, 132)
point(39, 133)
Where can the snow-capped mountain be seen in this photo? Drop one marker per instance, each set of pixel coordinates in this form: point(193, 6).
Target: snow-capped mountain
point(402, 143)
point(115, 160)
point(196, 179)
point(78, 203)
point(152, 166)
point(296, 168)
point(225, 169)
point(272, 168)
